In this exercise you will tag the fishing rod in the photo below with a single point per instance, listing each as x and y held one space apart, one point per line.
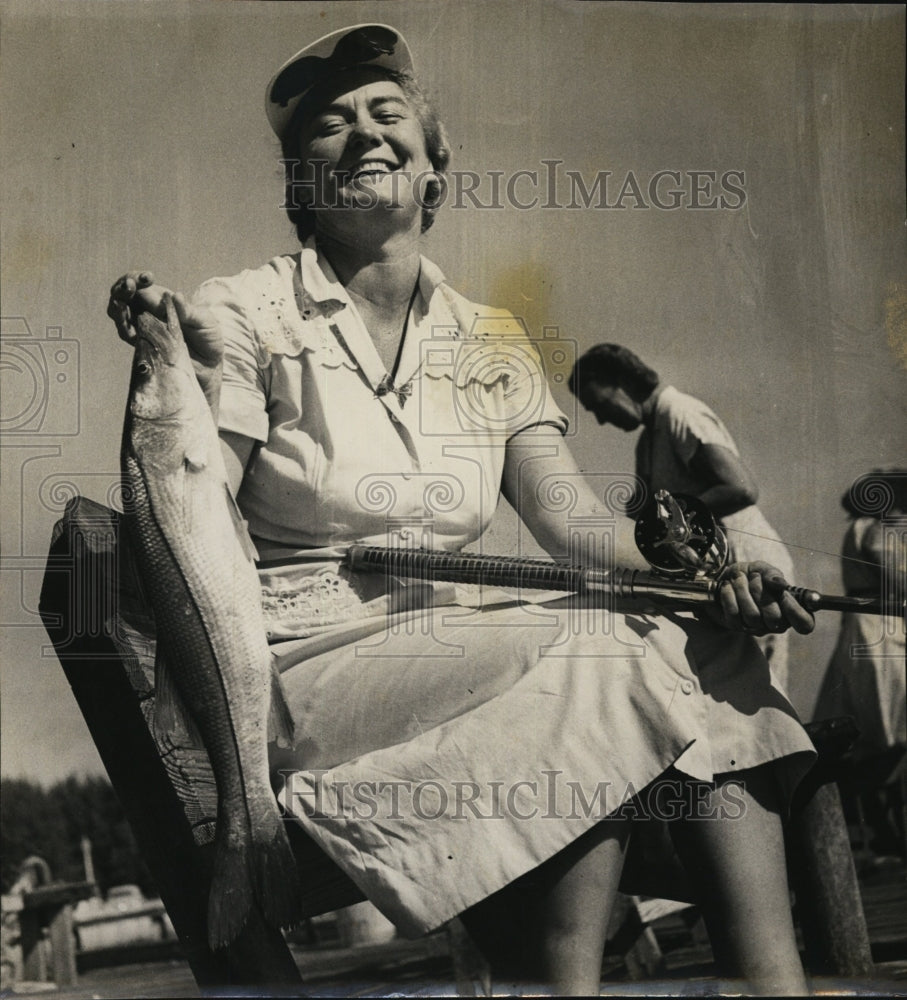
677 535
542 574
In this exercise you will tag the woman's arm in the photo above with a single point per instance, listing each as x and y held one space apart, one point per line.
136 291
729 485
539 464
236 449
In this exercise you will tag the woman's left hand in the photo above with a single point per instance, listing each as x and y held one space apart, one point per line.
754 597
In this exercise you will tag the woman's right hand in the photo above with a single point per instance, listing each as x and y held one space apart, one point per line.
136 292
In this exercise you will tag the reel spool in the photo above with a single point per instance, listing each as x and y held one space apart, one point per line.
679 537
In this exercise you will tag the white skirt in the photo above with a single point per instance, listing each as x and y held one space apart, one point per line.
446 752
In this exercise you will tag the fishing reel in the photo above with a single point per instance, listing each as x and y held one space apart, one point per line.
679 537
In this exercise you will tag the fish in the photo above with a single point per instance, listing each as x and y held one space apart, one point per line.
213 671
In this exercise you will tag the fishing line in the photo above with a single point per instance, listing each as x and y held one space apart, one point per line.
806 548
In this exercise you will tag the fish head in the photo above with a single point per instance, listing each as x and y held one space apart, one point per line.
163 383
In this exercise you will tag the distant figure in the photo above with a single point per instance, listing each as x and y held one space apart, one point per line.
684 448
867 674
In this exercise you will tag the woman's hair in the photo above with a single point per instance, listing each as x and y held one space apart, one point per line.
877 493
612 364
301 214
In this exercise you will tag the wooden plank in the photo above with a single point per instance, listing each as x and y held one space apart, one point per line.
821 865
63 945
83 573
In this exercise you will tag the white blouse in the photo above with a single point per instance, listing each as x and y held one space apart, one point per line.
340 458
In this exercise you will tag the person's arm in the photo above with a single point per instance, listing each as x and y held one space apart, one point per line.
729 485
236 449
539 464
136 291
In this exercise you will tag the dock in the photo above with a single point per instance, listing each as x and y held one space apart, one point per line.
423 968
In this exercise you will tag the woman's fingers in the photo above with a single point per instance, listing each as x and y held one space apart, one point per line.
126 286
796 615
201 331
119 312
756 597
132 293
781 601
737 601
766 599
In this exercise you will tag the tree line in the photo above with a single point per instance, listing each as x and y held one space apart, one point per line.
51 822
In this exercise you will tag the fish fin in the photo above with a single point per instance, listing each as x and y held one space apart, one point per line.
242 527
231 895
281 727
195 461
172 720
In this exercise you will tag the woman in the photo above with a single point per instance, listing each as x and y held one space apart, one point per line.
488 742
867 675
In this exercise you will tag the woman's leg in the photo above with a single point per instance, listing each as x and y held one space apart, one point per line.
582 881
738 858
550 925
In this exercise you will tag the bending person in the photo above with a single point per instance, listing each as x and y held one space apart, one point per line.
684 448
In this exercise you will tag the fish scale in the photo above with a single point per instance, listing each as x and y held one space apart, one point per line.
194 559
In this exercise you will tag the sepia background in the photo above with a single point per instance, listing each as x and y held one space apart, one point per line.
134 136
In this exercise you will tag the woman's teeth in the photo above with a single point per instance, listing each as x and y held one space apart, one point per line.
371 168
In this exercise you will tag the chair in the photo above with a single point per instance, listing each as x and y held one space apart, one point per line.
96 615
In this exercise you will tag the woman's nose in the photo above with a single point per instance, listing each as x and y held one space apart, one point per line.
365 133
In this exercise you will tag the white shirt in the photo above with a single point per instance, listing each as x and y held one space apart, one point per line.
337 462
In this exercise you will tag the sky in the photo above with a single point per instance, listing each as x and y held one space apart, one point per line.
749 245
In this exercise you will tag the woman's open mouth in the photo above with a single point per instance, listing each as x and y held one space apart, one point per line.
371 170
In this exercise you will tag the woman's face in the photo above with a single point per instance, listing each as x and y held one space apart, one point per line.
365 148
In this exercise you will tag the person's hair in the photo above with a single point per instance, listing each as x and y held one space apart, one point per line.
301 214
876 493
613 364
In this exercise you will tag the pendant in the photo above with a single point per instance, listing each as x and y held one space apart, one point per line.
402 393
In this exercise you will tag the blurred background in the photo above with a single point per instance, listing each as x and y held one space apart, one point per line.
134 136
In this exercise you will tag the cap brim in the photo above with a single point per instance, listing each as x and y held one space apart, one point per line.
376 45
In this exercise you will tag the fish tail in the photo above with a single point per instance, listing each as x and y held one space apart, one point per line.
277 885
263 873
232 893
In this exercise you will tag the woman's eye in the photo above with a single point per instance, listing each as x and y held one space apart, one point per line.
330 126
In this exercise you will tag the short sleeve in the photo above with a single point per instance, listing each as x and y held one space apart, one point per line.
527 394
693 424
496 350
243 397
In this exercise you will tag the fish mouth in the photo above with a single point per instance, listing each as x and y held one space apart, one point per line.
156 340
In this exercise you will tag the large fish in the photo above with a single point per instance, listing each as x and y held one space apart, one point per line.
196 563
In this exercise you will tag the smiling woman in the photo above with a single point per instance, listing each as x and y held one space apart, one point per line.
361 400
393 106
